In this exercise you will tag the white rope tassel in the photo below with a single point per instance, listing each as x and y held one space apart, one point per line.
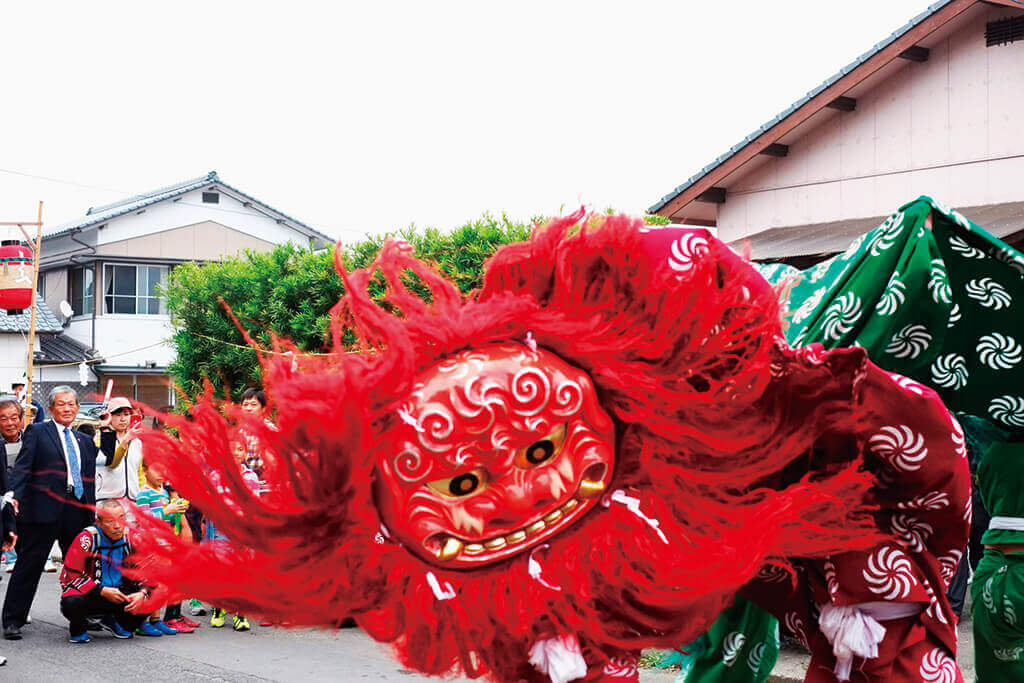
535 570
633 505
446 593
408 419
852 634
560 659
531 343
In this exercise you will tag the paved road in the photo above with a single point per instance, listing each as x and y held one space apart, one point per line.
45 655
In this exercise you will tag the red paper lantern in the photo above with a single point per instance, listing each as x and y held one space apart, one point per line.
15 277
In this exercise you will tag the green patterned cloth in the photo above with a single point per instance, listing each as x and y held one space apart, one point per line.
930 295
742 646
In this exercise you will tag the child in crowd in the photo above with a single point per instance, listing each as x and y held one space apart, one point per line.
239 450
154 499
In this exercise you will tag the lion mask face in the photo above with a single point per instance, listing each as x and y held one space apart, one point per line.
499 448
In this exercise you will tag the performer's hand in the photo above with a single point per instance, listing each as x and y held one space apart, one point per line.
11 540
135 601
113 595
14 504
174 508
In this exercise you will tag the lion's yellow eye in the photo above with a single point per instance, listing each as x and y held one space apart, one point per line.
461 485
540 452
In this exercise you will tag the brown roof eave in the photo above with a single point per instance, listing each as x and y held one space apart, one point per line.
822 100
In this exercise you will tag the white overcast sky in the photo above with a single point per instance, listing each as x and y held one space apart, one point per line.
364 117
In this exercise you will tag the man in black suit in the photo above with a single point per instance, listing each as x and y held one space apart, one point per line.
11 417
53 488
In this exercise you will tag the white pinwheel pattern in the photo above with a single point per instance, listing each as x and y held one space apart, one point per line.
686 250
910 342
1008 410
901 447
731 647
820 271
911 532
854 247
831 580
960 246
841 316
755 657
959 441
907 384
621 667
938 667
950 371
889 574
933 500
986 596
796 626
887 233
948 564
809 305
893 296
954 316
934 609
772 573
998 351
1012 260
988 293
938 283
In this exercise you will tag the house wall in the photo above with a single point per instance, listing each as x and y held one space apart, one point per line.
205 241
13 359
127 340
948 128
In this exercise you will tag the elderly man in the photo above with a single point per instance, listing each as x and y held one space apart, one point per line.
10 440
92 581
53 489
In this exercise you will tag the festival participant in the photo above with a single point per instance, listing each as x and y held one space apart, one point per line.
53 489
154 499
93 582
997 589
10 438
120 454
587 457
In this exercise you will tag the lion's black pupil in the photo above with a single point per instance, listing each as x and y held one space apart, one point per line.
539 452
463 484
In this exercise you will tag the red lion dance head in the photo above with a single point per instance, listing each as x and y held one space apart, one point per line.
605 442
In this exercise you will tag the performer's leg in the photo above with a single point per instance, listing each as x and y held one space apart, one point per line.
997 597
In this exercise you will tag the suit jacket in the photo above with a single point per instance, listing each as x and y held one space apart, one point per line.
7 525
40 476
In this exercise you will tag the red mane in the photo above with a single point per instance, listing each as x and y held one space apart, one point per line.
712 412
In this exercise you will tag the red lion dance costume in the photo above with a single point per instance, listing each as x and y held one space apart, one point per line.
587 457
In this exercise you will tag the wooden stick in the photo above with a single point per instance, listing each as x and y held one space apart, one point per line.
32 317
20 223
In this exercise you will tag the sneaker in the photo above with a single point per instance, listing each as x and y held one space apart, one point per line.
80 638
189 622
196 608
164 628
180 626
10 568
50 566
217 620
240 623
147 629
110 625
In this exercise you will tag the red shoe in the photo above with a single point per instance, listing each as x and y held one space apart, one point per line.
180 626
188 622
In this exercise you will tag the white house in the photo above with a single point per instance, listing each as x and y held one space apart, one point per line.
932 109
108 264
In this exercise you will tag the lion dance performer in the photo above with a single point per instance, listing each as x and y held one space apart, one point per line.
586 457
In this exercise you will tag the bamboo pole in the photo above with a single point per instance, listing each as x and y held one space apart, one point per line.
32 316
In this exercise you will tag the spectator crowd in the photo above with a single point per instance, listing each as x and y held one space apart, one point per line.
72 487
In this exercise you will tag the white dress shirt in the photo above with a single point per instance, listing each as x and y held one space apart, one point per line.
64 448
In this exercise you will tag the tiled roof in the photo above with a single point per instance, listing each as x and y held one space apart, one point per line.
100 214
61 348
878 47
46 321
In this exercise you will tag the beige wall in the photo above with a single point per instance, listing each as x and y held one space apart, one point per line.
949 127
56 288
206 241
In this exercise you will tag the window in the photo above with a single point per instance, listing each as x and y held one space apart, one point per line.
211 198
81 290
133 289
41 285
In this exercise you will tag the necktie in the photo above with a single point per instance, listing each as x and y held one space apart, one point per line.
73 464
